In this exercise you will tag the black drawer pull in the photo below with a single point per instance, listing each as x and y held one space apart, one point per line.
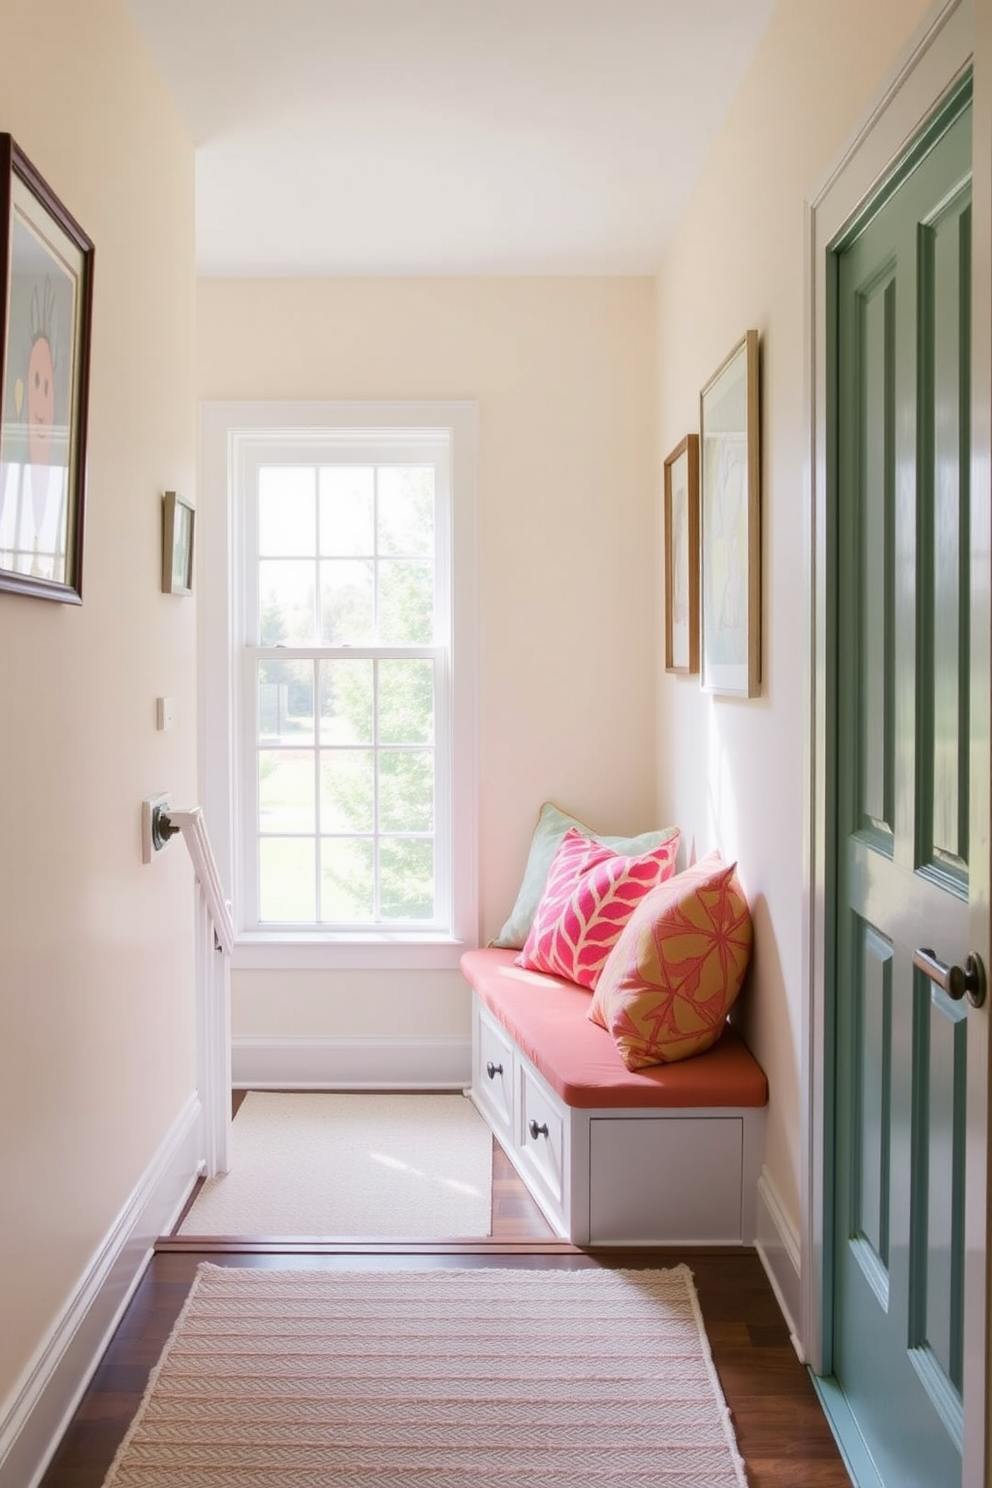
537 1131
492 1070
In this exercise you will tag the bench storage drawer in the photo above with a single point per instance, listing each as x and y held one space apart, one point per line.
493 1073
542 1142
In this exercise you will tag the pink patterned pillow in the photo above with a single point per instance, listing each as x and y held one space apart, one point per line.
590 893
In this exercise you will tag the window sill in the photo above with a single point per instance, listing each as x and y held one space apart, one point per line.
288 952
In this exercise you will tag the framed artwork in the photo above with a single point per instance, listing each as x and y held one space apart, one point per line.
730 525
46 303
682 557
178 521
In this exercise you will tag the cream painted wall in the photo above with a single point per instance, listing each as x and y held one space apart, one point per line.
96 995
563 371
733 770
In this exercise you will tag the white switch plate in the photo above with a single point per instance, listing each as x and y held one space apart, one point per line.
165 713
148 806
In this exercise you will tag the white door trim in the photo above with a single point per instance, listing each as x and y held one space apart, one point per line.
941 51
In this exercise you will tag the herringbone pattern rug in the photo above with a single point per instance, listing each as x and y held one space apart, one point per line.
490 1378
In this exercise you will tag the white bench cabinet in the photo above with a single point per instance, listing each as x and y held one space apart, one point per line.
630 1176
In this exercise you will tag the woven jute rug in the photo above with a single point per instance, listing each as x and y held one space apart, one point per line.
489 1378
417 1166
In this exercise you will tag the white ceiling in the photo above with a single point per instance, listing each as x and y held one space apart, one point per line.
446 136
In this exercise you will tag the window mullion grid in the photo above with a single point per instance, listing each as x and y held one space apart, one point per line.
319 654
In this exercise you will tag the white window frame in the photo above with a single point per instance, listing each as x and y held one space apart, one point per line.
230 433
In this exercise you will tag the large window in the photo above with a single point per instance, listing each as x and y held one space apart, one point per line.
352 673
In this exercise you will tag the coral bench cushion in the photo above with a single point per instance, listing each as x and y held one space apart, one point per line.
547 1019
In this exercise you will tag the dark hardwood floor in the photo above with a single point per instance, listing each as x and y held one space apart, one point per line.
780 1428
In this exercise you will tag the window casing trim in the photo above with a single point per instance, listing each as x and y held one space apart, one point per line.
232 433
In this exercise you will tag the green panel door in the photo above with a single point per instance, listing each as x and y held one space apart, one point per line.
904 612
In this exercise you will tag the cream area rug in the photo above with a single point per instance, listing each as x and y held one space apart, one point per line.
346 1165
493 1378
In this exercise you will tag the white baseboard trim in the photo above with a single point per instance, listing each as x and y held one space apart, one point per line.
777 1244
39 1408
351 1064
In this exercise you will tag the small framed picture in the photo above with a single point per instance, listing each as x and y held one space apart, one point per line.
730 525
46 303
178 522
682 557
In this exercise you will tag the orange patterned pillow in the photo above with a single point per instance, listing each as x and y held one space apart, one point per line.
675 972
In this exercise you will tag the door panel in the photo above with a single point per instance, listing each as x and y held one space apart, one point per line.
937 1259
871 1144
903 314
945 284
876 716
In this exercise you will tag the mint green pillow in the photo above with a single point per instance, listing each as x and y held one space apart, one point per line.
552 824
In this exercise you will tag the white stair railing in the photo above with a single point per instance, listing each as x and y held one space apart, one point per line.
214 945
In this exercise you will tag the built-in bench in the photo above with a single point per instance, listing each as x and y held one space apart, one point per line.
668 1155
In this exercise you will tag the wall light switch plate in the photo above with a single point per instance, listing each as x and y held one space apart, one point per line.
165 713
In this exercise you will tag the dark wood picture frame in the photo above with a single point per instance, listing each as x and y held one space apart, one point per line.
46 310
681 498
730 525
178 529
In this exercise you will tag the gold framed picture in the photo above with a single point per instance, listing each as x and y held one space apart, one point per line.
178 522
